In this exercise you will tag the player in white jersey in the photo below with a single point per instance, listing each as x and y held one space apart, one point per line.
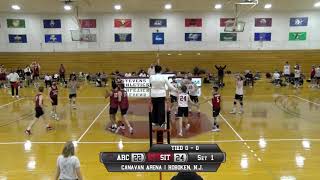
317 76
286 71
183 110
193 92
239 95
174 95
297 76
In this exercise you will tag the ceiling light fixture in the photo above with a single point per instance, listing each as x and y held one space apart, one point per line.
15 7
268 6
218 6
317 4
168 6
67 7
117 7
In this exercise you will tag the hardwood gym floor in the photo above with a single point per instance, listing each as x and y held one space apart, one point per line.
276 138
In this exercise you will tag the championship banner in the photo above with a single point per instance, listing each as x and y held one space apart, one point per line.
297 36
263 22
16 23
193 22
87 23
299 21
17 38
123 23
122 37
228 36
262 36
223 21
158 23
52 23
158 38
193 37
53 38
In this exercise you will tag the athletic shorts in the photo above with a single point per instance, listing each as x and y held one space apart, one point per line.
238 97
318 78
54 101
72 96
39 112
183 112
124 111
173 99
113 110
194 99
215 112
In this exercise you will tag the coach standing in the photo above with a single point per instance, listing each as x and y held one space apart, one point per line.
13 77
158 95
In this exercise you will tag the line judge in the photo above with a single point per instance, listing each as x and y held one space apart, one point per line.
158 95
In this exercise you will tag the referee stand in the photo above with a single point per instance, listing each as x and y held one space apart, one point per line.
159 131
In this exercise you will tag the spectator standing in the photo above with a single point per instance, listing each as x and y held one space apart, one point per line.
68 165
220 74
27 73
13 78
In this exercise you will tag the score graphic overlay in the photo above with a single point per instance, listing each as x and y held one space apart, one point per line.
166 158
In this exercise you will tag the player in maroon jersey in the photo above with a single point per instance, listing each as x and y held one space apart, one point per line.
216 105
124 106
53 94
39 112
114 103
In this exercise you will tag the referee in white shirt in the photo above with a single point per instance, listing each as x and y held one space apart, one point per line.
158 95
13 77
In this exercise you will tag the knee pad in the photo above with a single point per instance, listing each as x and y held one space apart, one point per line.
241 103
234 102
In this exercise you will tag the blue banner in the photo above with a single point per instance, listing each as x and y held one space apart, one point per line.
122 37
299 21
262 36
53 38
193 37
158 22
52 23
17 38
158 38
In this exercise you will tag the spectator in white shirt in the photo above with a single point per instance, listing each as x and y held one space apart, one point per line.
297 76
158 95
127 75
27 73
13 77
276 78
47 80
68 165
151 70
143 74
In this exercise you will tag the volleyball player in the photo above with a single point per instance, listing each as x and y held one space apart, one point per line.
113 107
297 76
124 106
73 85
286 72
216 105
238 96
193 92
183 110
174 95
53 94
39 112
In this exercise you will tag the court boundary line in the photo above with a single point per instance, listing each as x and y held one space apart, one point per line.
17 100
225 120
97 117
303 99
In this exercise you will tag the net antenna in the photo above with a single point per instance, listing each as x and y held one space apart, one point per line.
241 7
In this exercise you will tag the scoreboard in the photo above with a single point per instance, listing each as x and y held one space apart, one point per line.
166 158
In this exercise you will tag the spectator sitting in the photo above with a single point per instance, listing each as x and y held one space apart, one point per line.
127 74
249 78
143 74
257 76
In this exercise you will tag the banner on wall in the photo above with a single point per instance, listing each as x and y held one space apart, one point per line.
265 36
87 23
193 37
299 21
158 23
228 36
223 21
263 22
193 22
17 38
52 23
16 23
158 38
122 23
297 36
53 38
122 37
